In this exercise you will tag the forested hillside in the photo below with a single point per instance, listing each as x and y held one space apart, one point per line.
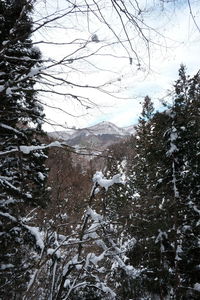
136 234
163 186
122 223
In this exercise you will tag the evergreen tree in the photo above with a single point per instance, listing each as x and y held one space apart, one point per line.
184 149
146 169
116 197
167 180
117 208
22 174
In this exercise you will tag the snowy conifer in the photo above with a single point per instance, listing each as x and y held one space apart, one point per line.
22 175
167 179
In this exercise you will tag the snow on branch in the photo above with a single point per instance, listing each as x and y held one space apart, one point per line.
4 182
106 183
172 139
28 149
7 215
11 129
115 252
35 232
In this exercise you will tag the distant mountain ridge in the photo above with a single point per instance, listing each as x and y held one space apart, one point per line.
101 135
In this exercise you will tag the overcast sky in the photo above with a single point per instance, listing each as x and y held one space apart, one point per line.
178 41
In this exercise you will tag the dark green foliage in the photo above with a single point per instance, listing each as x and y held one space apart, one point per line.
118 199
159 206
167 179
187 106
22 176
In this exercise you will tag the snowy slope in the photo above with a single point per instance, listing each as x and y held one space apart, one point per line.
130 129
101 134
62 135
107 128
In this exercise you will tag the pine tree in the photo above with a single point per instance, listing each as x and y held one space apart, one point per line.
116 198
146 170
167 179
184 149
22 175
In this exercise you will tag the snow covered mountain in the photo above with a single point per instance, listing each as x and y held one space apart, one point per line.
106 128
130 129
99 135
60 135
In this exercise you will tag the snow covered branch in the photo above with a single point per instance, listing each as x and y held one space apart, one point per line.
28 149
106 183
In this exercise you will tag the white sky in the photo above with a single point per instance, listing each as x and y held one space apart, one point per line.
178 43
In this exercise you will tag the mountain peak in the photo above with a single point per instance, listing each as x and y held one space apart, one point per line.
103 133
106 127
